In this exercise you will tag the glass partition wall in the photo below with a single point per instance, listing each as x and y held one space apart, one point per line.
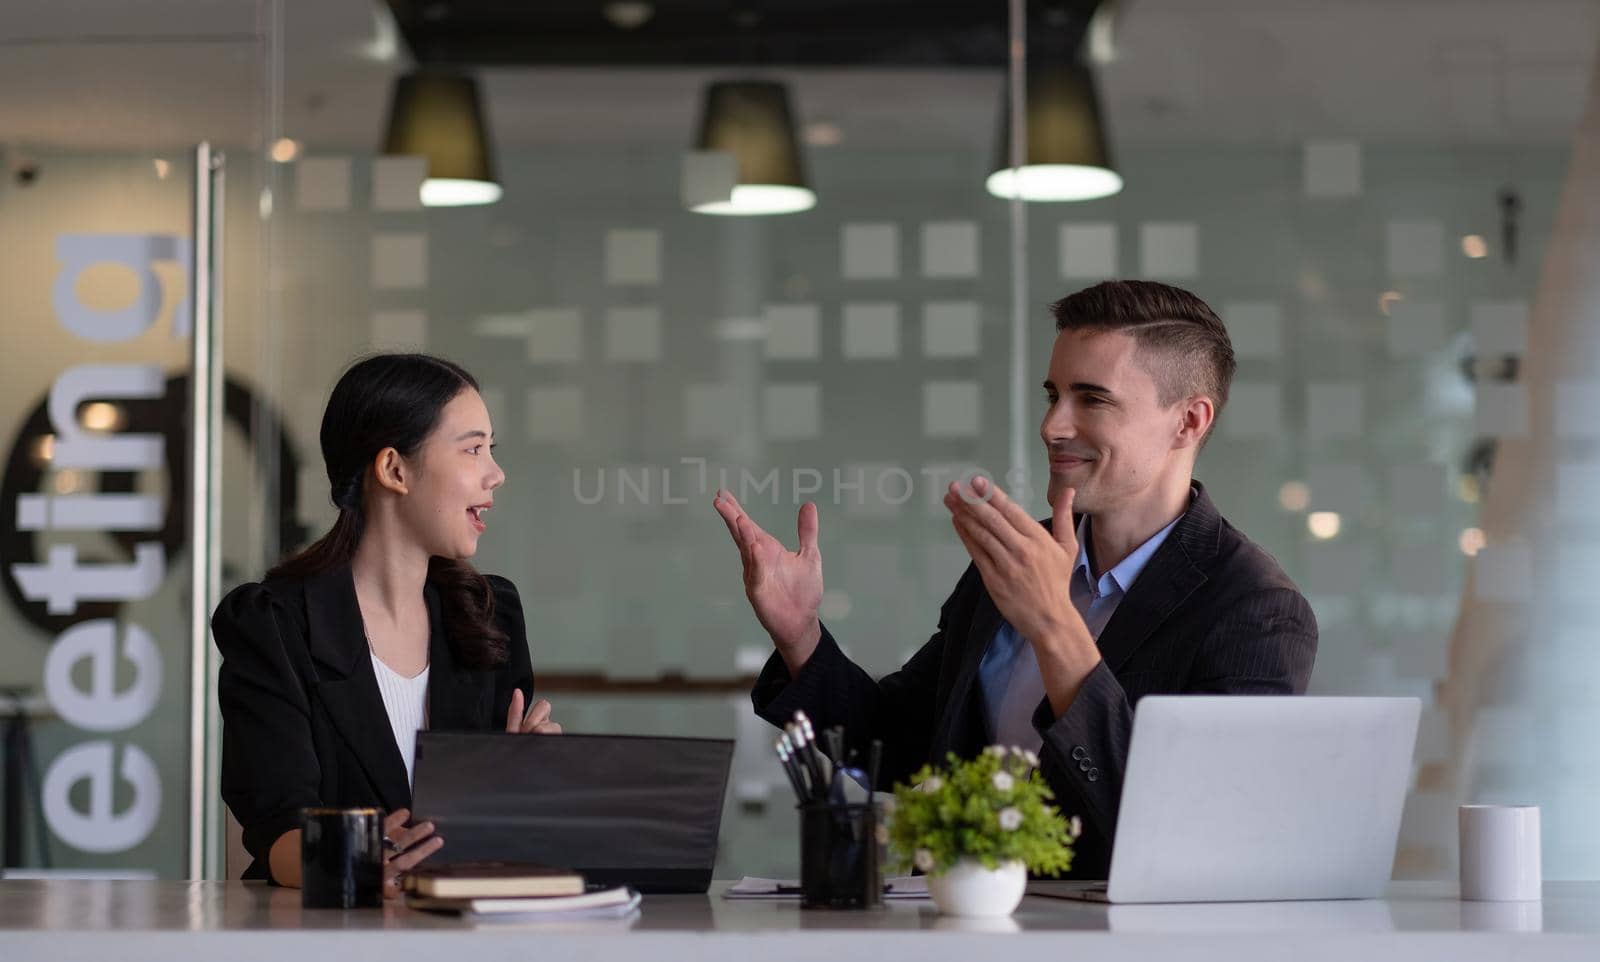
114 218
1377 239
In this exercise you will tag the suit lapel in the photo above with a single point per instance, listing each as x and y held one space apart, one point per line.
1171 576
963 721
458 697
348 689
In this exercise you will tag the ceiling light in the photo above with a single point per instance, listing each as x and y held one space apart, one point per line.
1067 156
101 416
823 134
285 149
750 121
438 115
1323 524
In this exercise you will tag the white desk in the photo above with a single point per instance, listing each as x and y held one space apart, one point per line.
173 921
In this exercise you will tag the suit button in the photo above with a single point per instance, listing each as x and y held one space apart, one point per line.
1079 753
1094 774
1083 765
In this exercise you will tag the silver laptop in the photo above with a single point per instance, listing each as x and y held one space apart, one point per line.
1258 798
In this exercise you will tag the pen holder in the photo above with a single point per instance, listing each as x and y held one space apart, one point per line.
839 856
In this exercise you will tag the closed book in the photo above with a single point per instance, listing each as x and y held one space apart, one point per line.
466 880
620 898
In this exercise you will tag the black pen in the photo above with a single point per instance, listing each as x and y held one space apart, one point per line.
804 758
797 762
789 768
808 738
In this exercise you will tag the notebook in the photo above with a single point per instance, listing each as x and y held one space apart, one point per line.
604 903
465 880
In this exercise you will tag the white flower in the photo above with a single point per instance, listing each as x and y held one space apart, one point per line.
1031 759
923 859
1010 819
1003 782
1076 825
1016 750
882 835
933 784
998 751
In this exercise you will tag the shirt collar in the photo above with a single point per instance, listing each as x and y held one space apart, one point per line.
1121 577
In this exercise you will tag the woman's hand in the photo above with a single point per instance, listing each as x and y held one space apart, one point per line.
537 720
404 847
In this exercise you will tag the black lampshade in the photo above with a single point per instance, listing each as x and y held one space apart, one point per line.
1067 157
750 119
438 115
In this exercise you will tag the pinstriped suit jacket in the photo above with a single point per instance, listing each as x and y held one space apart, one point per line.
1212 613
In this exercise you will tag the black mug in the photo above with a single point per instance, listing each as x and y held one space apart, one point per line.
839 856
341 858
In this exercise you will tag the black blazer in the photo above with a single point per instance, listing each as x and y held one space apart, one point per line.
303 723
1211 613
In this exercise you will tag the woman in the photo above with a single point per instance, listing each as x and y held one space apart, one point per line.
331 664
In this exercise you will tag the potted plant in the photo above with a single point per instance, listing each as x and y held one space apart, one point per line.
977 828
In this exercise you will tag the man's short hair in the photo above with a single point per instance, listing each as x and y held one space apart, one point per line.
1186 348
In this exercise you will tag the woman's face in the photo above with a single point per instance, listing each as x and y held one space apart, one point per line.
453 478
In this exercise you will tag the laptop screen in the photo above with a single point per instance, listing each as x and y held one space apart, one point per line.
621 809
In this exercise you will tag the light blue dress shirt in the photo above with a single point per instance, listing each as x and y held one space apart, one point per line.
1009 672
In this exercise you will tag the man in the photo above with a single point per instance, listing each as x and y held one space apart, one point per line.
1135 586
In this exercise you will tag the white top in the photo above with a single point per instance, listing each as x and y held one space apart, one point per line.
406 702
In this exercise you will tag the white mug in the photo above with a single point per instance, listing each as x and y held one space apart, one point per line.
1500 853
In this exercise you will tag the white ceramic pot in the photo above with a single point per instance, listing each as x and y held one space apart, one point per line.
968 890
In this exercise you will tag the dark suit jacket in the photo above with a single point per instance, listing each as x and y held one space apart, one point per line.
1211 613
303 723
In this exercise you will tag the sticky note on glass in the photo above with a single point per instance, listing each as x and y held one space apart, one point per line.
1169 250
791 412
633 334
1255 328
322 183
554 413
1502 410
950 329
1254 411
1415 328
871 331
708 177
950 249
1088 251
1332 168
870 251
1499 327
1576 402
397 183
951 409
1416 489
633 256
791 332
710 413
1334 410
1415 247
394 330
555 335
399 261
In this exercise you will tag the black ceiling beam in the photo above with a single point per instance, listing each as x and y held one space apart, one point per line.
694 33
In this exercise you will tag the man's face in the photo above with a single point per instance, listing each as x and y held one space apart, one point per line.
1105 430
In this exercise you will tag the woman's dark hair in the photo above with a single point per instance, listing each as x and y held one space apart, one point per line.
395 401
